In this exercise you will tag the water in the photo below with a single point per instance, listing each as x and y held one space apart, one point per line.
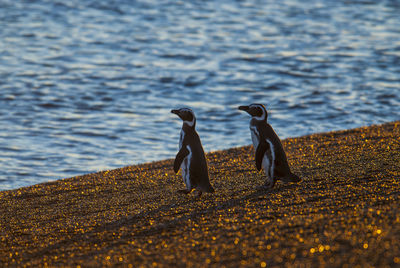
88 85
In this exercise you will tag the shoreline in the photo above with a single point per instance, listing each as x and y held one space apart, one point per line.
345 211
58 178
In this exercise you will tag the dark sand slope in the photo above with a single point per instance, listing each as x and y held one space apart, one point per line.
346 211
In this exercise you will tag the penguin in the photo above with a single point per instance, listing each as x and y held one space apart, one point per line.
190 158
268 147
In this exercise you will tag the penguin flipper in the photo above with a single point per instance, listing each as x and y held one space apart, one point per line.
262 147
183 152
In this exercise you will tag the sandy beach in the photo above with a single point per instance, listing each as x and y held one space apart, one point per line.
345 212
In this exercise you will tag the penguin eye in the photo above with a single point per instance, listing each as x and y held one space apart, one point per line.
259 111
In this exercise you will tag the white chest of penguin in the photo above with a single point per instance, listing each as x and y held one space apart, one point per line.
185 166
267 163
254 136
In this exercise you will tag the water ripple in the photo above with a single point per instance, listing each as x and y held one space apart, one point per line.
88 85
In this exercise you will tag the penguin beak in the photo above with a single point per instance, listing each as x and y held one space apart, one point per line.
244 108
175 112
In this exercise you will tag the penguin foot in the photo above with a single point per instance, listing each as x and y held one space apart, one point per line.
199 193
265 187
290 178
184 191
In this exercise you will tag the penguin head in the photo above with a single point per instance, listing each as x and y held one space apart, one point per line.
256 111
187 116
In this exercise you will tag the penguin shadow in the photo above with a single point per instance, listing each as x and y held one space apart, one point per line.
262 193
178 213
126 221
190 193
197 214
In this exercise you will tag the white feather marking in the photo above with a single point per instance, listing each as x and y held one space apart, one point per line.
271 165
266 165
254 136
262 117
190 123
185 166
181 139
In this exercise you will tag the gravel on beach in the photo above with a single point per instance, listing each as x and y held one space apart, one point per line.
345 212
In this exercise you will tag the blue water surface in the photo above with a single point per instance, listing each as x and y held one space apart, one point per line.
88 85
